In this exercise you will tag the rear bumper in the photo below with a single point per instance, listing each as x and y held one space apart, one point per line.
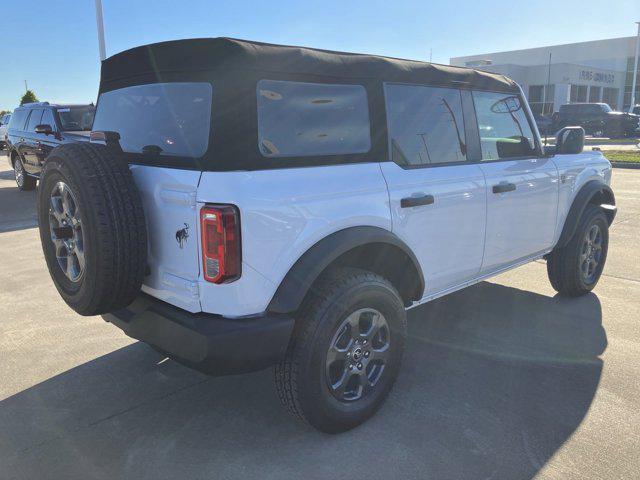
210 343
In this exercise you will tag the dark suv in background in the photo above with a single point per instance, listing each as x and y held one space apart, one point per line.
36 128
597 119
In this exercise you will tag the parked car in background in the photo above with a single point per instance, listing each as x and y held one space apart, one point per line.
4 121
544 124
291 221
597 119
37 128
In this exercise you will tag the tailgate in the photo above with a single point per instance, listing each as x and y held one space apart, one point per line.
169 200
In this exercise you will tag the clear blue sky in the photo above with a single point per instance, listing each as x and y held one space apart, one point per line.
53 45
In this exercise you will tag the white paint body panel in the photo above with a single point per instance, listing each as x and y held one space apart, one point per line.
447 236
522 222
468 234
283 213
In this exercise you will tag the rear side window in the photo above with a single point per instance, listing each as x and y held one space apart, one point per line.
18 119
34 120
312 119
504 129
426 125
159 119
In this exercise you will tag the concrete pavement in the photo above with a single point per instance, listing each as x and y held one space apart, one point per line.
503 380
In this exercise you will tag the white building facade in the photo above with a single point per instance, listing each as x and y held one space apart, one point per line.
597 71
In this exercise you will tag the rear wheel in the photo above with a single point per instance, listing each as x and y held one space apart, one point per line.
576 268
24 181
345 352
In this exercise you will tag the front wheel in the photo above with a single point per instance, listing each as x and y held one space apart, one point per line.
345 351
576 268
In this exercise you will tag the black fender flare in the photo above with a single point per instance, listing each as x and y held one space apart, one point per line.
584 197
297 282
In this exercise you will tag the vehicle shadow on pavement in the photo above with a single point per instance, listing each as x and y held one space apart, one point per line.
494 381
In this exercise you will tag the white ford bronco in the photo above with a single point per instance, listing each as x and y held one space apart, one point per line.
243 205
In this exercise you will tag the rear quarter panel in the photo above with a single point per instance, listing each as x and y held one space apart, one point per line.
282 214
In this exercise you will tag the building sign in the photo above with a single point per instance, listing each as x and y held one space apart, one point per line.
598 77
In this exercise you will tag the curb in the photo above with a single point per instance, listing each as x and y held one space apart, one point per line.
626 165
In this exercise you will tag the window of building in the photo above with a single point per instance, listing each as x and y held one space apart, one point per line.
628 84
541 99
426 125
312 119
505 131
610 97
594 94
578 93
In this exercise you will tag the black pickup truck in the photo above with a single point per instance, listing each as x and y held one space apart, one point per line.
36 128
596 119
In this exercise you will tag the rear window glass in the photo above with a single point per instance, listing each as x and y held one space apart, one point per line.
168 118
504 129
76 118
312 119
18 119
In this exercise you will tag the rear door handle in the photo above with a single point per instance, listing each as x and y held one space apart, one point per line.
504 187
416 201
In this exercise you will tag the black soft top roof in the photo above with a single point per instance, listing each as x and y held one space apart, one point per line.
230 56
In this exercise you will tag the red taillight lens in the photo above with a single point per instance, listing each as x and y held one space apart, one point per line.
221 250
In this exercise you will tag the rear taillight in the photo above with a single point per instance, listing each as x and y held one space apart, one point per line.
221 250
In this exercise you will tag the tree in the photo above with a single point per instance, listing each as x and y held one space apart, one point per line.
28 97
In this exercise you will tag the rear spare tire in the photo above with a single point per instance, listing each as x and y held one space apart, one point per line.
92 228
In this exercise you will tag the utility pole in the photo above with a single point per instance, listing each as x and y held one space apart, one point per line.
635 71
100 24
26 88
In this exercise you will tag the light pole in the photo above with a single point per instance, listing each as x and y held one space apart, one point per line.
635 71
100 23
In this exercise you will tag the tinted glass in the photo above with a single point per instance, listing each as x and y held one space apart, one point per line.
503 125
425 125
76 118
5 120
47 119
174 117
305 119
34 119
18 119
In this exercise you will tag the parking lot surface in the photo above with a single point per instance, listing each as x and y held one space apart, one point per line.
503 380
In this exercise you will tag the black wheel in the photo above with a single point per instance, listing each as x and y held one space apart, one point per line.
345 351
24 181
92 228
576 268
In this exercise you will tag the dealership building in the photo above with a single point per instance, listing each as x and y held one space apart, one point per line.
598 71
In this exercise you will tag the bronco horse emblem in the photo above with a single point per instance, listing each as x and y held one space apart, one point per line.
182 235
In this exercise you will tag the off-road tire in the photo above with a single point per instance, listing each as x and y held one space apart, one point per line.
563 264
300 376
112 222
28 182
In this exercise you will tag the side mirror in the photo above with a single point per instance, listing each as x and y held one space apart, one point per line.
570 140
44 129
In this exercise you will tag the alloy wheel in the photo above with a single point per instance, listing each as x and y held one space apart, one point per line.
591 253
18 171
357 355
66 231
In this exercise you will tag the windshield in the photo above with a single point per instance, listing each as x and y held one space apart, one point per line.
158 119
606 108
76 118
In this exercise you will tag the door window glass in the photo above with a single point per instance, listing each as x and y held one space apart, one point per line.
503 125
312 119
34 119
47 119
426 125
18 119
